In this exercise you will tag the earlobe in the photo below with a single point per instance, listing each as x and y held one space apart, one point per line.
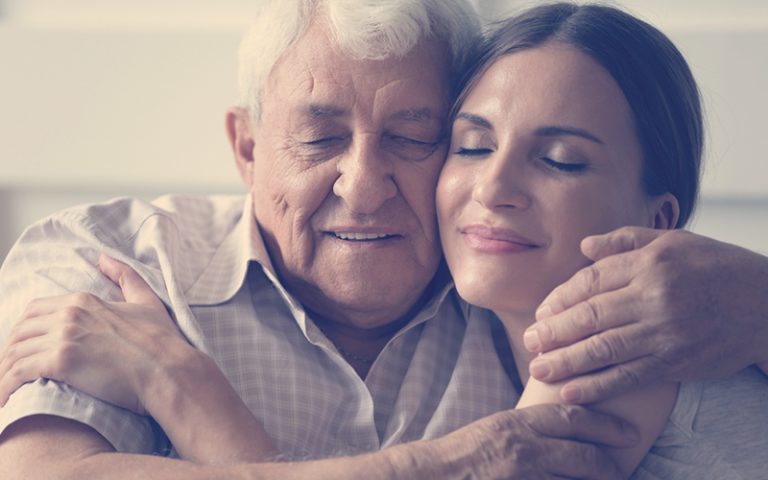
240 135
666 212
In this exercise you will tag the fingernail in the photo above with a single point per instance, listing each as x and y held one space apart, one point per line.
540 369
531 340
571 393
544 311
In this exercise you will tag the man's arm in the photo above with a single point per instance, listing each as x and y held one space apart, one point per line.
541 442
50 448
655 306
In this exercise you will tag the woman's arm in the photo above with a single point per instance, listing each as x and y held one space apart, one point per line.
647 408
132 355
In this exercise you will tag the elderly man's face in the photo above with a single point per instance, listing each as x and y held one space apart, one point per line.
345 161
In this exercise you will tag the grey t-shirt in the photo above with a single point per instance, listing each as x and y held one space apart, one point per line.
718 430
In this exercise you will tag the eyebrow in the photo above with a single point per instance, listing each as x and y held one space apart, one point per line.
414 114
548 131
557 130
325 111
474 119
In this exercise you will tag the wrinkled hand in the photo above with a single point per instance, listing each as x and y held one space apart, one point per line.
655 306
107 349
543 441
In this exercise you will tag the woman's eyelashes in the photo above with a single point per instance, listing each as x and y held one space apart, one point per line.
473 152
546 160
566 167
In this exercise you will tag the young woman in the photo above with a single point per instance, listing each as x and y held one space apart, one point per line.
575 121
572 121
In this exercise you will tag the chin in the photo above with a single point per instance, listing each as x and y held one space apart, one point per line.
500 295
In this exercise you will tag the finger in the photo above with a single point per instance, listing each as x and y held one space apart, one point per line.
608 274
567 458
11 381
25 363
135 289
47 305
574 422
20 350
611 381
577 460
598 351
26 329
591 316
618 241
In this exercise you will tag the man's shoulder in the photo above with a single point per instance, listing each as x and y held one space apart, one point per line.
185 229
170 239
123 219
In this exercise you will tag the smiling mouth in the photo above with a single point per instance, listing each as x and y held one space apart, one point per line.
362 237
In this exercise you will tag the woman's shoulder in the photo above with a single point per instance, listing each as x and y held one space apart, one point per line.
717 429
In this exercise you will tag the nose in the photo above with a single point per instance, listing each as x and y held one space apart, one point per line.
366 177
501 183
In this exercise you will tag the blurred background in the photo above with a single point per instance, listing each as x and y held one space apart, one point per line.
103 98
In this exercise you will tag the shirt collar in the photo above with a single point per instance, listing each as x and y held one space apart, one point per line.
226 271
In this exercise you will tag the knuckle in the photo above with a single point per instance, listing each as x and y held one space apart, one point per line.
72 314
598 387
84 299
589 317
627 377
600 350
17 371
564 364
590 277
571 414
30 309
11 352
70 329
593 458
661 297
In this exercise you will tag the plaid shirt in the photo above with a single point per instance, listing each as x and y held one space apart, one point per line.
205 259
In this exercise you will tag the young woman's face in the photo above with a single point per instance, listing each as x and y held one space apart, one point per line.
543 153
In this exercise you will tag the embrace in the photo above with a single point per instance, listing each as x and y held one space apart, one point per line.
460 256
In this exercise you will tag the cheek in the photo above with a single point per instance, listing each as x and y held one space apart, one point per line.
591 211
452 191
417 184
287 196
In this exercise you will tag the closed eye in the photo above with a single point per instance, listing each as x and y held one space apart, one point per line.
324 141
473 152
410 148
564 167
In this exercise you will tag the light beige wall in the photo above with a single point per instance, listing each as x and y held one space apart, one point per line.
100 98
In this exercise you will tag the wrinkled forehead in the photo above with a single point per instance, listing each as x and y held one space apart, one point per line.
316 71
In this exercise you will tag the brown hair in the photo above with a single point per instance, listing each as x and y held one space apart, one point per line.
651 72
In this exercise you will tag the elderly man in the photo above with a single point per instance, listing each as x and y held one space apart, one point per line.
317 306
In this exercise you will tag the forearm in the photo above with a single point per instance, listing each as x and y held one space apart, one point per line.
42 447
647 408
115 466
203 416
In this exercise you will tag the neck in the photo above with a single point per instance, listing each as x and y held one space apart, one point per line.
515 324
359 346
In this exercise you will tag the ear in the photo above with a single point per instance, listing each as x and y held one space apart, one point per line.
666 211
240 134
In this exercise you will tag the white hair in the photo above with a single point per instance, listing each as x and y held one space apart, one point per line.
364 29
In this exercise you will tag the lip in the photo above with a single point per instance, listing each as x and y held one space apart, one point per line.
496 240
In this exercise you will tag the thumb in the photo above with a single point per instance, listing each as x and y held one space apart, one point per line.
624 239
135 289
